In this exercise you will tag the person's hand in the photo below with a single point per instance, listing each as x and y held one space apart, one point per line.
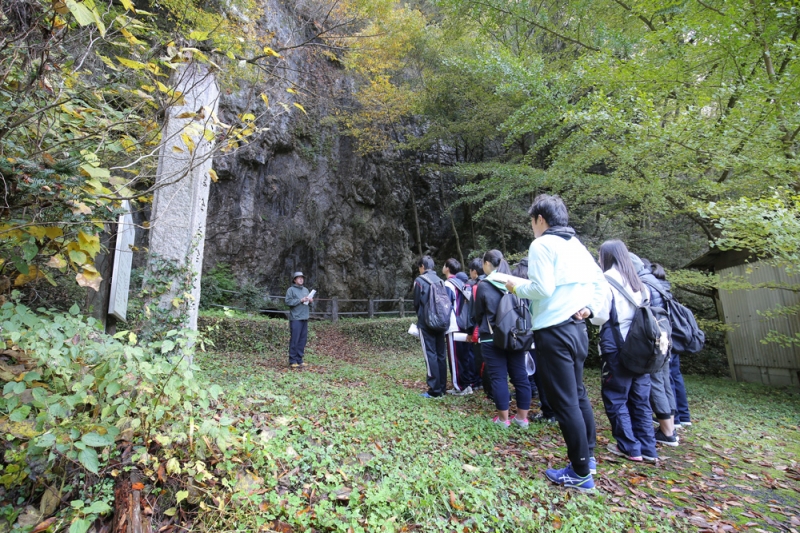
510 286
309 300
304 299
582 314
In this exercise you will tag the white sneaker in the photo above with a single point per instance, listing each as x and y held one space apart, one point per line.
463 392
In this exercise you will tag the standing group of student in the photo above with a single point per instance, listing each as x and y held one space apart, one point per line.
565 288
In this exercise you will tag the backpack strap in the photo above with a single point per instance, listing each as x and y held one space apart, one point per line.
623 291
428 281
659 290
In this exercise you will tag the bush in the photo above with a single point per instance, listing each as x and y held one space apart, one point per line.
74 397
384 332
220 288
250 335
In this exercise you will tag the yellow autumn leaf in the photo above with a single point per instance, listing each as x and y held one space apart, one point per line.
290 90
80 208
265 98
208 134
37 231
128 35
89 243
270 52
54 232
298 106
110 64
32 275
130 63
213 174
57 261
248 117
89 277
128 5
188 141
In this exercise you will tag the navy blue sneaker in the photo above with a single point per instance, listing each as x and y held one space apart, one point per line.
426 395
569 479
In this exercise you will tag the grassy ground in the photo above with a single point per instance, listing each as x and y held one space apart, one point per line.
347 444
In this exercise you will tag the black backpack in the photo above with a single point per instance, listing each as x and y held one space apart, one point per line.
687 337
464 317
512 329
646 348
438 307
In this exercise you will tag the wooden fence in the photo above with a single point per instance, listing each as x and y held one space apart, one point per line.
329 308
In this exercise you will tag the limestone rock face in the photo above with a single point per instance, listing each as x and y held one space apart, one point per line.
299 196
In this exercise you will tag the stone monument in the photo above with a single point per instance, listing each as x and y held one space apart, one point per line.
123 258
178 218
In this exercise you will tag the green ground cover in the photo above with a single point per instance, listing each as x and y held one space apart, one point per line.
348 445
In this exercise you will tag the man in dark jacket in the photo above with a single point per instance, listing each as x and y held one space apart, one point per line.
297 299
433 345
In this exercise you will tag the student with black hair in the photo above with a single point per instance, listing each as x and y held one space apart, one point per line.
481 375
682 416
566 287
662 398
458 355
626 395
500 363
545 414
433 343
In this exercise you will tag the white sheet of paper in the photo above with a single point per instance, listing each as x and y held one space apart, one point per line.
310 295
503 278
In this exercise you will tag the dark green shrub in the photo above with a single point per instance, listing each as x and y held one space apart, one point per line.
252 334
384 332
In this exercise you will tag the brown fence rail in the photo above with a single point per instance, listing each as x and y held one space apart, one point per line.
331 308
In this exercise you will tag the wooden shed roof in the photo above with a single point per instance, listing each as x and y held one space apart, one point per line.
716 259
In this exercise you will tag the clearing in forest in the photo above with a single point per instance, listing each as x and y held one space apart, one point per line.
347 444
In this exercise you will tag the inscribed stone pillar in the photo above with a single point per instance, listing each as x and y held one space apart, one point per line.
180 204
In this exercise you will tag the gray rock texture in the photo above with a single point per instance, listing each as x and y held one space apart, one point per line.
300 197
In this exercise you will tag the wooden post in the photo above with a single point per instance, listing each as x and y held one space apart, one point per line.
402 308
335 310
370 309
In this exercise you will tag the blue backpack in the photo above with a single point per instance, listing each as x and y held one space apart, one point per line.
438 307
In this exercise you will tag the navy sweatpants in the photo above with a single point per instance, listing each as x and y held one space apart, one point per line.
626 397
561 351
297 343
679 390
502 365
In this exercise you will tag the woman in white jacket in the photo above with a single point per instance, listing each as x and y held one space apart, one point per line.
626 395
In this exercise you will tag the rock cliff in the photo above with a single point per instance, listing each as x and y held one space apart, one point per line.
299 196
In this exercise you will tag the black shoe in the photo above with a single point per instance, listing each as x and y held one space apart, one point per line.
540 418
671 440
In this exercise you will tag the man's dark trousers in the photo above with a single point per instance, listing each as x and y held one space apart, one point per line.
297 343
433 346
561 352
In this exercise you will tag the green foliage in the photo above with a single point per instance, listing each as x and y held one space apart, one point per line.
219 288
83 89
245 334
71 395
352 445
390 333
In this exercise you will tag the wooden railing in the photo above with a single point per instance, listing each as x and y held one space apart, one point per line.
329 308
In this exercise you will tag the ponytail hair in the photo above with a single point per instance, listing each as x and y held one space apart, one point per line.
495 257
